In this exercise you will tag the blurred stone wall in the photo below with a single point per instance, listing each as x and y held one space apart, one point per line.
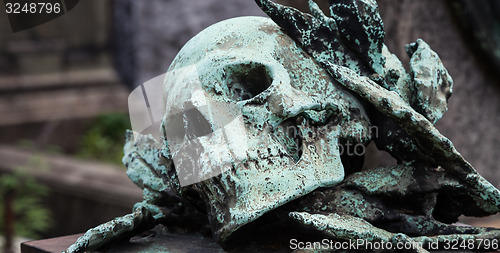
148 34
76 40
159 28
153 31
56 77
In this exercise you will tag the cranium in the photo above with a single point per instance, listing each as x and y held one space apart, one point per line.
266 119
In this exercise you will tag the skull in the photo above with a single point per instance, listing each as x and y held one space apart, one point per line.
252 122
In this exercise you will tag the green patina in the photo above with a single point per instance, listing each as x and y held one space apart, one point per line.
278 103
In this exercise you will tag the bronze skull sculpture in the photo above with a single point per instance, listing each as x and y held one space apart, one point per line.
257 118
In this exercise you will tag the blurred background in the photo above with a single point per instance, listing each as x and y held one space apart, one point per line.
64 88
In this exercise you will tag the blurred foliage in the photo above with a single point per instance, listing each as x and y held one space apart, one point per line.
33 146
31 216
105 139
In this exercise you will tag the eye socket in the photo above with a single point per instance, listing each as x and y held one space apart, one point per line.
246 80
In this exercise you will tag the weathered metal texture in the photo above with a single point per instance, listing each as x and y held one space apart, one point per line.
227 155
352 37
385 203
262 74
430 87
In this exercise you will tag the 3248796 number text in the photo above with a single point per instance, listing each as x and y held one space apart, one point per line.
33 8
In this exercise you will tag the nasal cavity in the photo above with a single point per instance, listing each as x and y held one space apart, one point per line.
196 125
246 80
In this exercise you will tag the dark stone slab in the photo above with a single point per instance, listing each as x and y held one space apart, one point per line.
57 244
161 244
168 244
165 243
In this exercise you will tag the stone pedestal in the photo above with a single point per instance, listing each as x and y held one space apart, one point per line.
163 244
166 243
48 245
